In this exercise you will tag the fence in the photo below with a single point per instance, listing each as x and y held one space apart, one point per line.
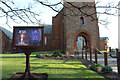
96 51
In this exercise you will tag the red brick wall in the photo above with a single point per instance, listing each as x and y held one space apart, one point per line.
74 27
6 43
58 32
102 45
48 45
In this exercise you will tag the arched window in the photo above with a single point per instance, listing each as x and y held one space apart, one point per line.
82 20
45 41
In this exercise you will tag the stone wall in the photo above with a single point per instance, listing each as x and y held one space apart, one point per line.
58 31
48 45
73 27
102 45
5 43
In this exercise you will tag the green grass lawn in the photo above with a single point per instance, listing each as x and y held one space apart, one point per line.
105 51
12 63
43 52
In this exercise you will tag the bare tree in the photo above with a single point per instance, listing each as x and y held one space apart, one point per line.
107 9
10 11
28 15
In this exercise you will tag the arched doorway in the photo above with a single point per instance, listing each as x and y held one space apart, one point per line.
81 43
82 40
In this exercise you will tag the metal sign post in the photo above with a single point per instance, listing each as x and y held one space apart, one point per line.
27 40
27 70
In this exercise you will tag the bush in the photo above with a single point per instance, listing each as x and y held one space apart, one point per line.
38 55
5 52
46 55
58 51
57 54
107 69
60 55
96 67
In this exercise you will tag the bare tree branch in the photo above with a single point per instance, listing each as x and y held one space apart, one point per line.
49 5
107 9
17 15
26 15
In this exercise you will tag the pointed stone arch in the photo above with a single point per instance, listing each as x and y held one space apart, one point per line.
84 34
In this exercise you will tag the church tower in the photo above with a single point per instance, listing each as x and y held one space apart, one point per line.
80 26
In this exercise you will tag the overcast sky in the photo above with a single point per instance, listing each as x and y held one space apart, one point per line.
46 18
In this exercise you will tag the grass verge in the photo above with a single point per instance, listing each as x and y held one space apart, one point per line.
12 63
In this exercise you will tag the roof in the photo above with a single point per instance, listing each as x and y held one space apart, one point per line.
59 13
8 33
103 38
47 29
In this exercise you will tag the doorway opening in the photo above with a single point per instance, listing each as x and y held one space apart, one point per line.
81 42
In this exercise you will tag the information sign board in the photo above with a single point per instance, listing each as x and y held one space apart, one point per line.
28 36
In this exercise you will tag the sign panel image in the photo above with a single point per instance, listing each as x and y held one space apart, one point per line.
22 37
35 37
28 36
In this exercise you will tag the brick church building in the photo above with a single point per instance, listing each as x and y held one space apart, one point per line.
68 30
